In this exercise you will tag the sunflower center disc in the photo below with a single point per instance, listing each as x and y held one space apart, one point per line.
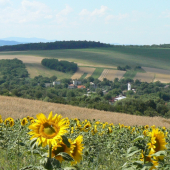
48 129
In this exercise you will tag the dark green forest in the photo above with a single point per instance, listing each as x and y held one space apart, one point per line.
150 99
63 66
71 45
54 45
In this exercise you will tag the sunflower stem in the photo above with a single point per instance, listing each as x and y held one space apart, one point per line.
50 151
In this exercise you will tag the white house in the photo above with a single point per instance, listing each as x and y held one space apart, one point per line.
119 98
76 82
56 83
129 86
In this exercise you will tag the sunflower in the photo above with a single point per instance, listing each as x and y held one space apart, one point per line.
158 141
146 126
1 120
24 121
109 130
78 148
149 159
87 127
48 131
61 147
94 130
9 121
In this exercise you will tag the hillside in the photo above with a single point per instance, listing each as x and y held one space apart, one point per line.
19 108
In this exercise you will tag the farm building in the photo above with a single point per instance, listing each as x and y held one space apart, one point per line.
56 83
81 87
71 86
76 82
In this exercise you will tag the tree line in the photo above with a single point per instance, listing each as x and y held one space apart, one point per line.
54 45
63 66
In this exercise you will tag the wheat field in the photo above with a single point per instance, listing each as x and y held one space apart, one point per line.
145 77
19 108
111 74
81 71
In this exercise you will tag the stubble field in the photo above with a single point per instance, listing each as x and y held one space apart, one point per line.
19 108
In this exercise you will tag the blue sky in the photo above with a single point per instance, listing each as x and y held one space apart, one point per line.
108 21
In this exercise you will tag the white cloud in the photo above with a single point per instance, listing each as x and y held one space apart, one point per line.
84 12
100 11
61 16
96 12
165 14
117 17
66 11
4 3
28 11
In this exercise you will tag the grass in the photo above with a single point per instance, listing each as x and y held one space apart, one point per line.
35 69
132 73
83 76
98 71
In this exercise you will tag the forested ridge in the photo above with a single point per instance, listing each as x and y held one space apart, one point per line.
54 45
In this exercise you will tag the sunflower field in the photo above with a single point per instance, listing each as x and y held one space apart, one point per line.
71 144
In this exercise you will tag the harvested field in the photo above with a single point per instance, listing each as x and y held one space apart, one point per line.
81 71
111 74
145 77
19 108
163 78
156 70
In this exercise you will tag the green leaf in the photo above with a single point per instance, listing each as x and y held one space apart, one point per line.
147 166
66 156
65 140
27 167
132 150
55 163
159 153
33 143
138 138
70 168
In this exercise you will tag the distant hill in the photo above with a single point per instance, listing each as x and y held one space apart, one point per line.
27 40
5 42
54 45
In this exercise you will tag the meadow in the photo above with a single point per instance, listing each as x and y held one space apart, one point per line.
151 59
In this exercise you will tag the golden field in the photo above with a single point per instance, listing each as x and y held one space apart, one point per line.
19 108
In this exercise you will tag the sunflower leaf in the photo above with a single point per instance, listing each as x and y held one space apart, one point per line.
33 143
132 150
138 138
160 153
66 156
65 140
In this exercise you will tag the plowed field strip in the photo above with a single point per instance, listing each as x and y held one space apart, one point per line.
81 71
145 77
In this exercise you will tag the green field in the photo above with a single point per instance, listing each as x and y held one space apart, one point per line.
111 56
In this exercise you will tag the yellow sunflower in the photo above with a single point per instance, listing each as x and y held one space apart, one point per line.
87 127
109 130
9 121
149 159
94 130
78 148
158 141
24 121
61 147
48 131
1 121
